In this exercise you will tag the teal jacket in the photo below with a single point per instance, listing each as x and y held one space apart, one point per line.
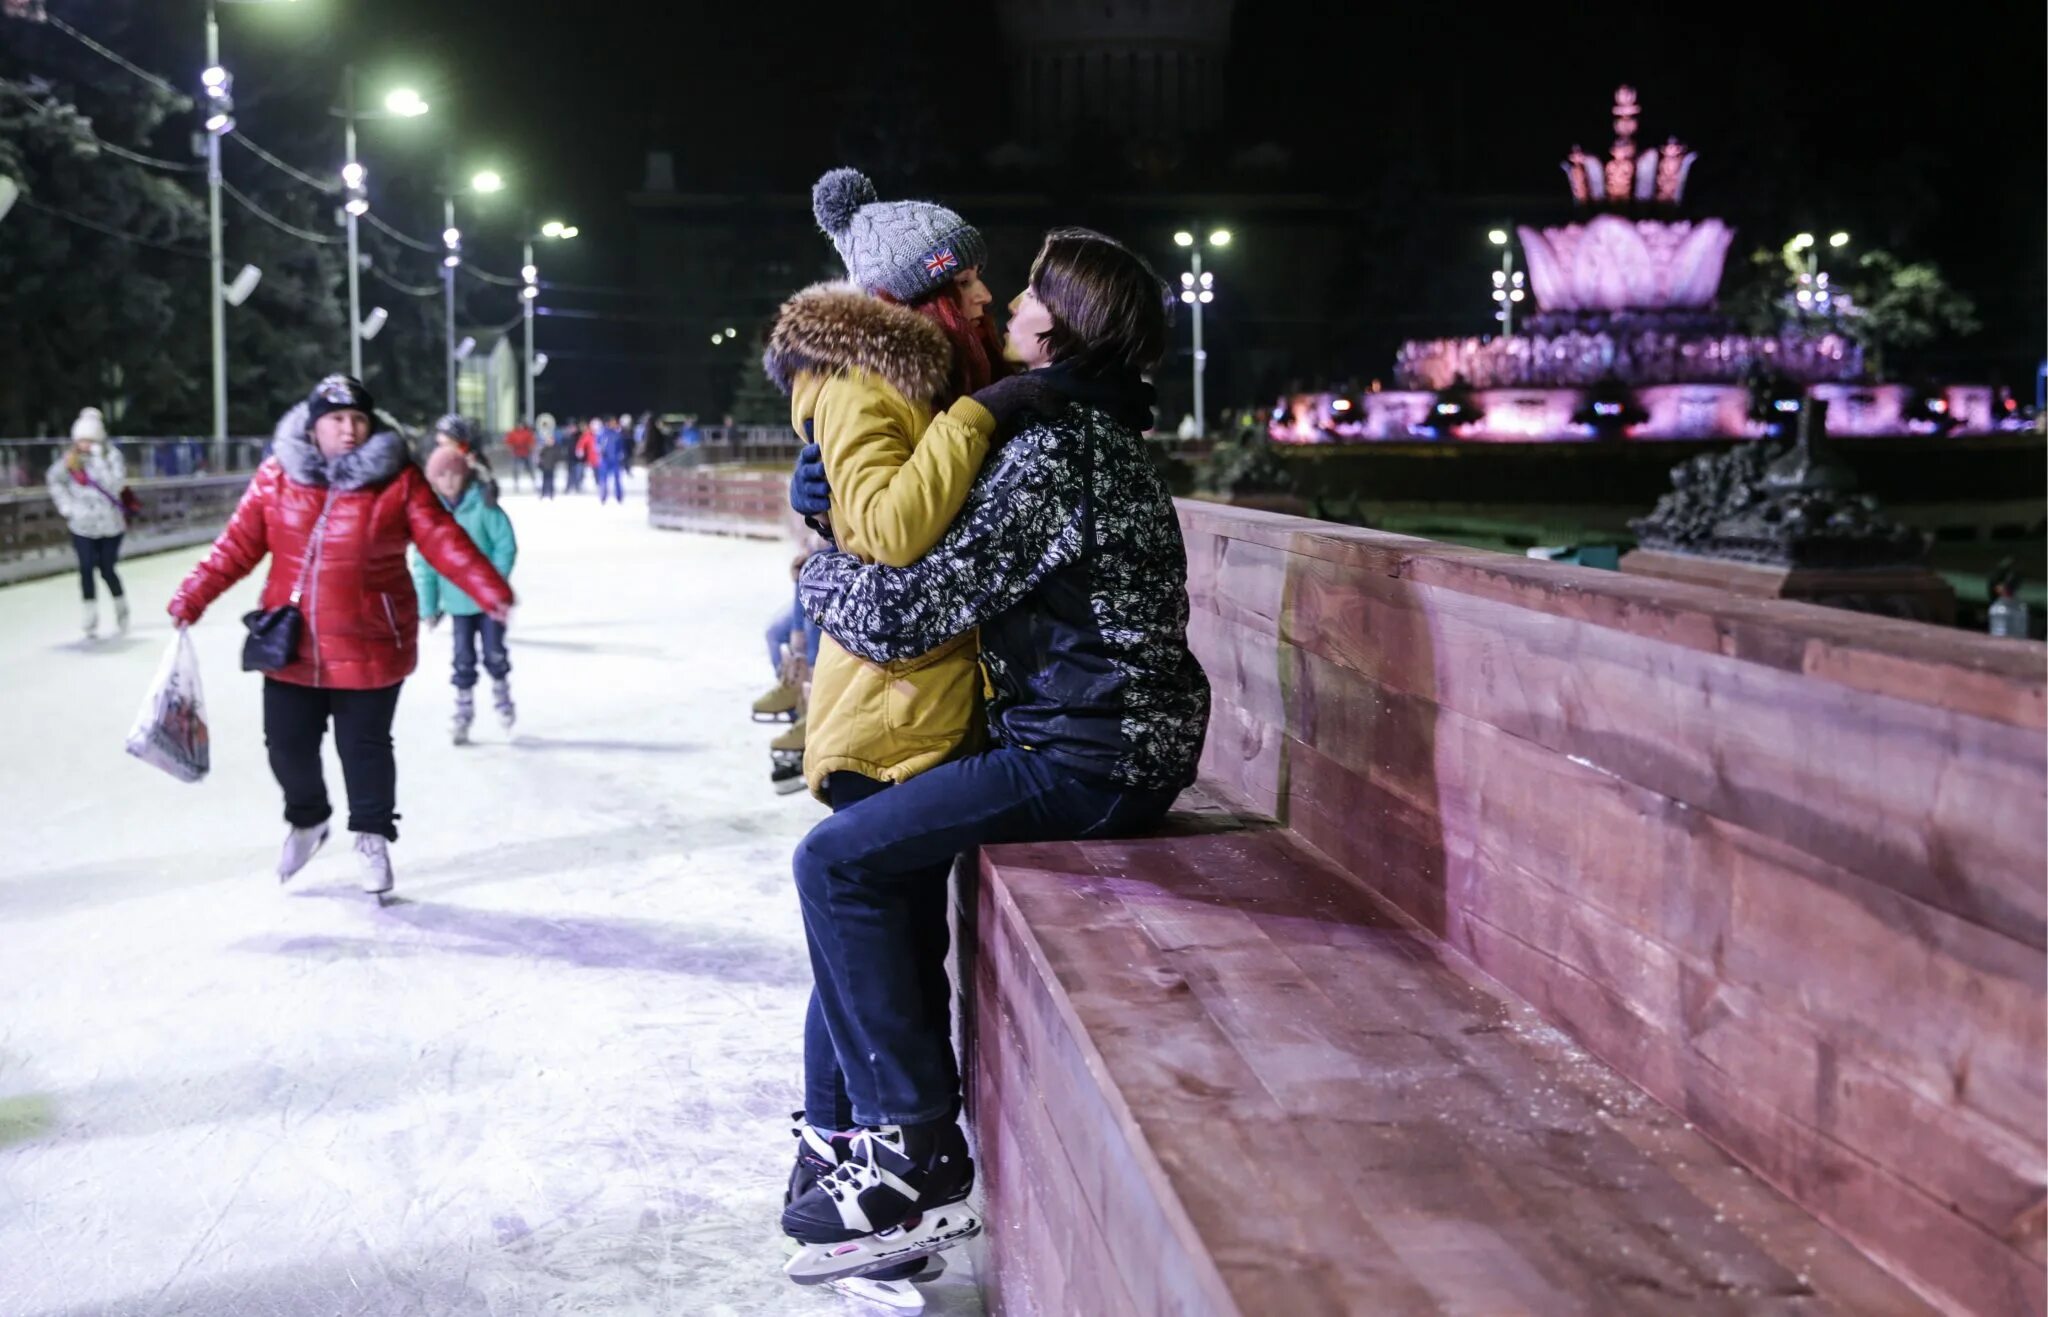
491 531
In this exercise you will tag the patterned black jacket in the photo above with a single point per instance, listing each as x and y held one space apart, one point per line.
1068 556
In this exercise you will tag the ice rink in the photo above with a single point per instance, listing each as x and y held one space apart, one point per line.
555 1078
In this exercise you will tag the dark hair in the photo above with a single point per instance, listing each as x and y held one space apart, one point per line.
1109 310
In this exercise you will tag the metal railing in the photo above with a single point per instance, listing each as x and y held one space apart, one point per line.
25 463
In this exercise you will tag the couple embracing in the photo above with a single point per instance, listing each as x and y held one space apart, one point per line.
1006 659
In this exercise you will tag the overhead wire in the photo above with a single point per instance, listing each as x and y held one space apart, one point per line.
304 235
329 186
115 57
410 290
415 243
84 127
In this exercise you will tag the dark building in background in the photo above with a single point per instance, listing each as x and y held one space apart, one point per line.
1119 117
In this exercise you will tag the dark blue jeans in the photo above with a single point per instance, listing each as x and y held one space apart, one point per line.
779 632
468 630
100 555
611 476
872 879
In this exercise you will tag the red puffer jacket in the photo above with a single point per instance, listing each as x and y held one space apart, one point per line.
362 618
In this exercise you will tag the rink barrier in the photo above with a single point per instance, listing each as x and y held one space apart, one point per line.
720 498
176 513
1777 866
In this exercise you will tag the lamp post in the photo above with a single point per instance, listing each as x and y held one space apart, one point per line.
220 121
1508 284
1198 290
554 231
403 103
483 183
1813 293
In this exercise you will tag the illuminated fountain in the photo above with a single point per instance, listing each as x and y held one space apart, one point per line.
1627 339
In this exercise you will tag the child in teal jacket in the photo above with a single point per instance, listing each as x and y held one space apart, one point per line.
449 472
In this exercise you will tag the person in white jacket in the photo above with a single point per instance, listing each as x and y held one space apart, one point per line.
86 484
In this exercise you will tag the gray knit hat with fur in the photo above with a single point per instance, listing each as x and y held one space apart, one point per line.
907 249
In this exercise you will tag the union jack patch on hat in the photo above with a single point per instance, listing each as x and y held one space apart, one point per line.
941 261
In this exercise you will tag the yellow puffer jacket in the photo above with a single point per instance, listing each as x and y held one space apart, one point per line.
862 373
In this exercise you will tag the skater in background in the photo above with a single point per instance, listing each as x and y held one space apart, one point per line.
334 508
793 641
614 455
86 484
490 529
519 442
453 431
1096 728
585 454
548 454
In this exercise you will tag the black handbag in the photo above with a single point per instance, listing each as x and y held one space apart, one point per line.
274 633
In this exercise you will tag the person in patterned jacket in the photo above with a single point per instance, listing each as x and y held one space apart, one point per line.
1068 556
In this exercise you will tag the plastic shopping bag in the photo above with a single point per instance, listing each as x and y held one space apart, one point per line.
170 728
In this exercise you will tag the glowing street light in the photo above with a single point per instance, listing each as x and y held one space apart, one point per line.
487 181
1509 286
1802 241
405 103
1838 240
1199 290
557 231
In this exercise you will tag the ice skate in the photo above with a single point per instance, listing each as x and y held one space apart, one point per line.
92 623
778 705
465 714
373 865
121 615
786 760
501 700
896 1198
300 845
818 1154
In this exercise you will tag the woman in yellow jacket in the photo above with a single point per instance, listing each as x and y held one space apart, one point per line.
894 376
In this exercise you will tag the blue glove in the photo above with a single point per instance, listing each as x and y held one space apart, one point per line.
809 494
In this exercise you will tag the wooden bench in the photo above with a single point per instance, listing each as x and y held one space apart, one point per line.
1570 943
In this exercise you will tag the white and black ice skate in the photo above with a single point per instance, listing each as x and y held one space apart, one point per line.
501 700
300 845
373 865
465 714
818 1154
897 1197
92 620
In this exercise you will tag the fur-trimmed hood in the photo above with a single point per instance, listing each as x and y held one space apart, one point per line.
833 327
383 455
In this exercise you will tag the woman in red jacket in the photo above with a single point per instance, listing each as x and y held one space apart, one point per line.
352 501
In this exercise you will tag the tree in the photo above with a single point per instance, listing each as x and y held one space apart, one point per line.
1903 307
95 254
756 401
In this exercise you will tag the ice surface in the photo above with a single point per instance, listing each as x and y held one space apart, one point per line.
554 1080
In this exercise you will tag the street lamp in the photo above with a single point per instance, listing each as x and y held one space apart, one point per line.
555 231
402 103
1198 290
485 182
1812 292
218 86
1509 287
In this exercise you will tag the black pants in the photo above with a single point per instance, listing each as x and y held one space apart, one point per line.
295 722
496 661
547 480
97 555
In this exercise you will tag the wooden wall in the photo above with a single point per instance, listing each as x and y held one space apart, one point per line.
1781 866
720 499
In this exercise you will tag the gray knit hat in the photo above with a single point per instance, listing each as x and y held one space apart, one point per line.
907 249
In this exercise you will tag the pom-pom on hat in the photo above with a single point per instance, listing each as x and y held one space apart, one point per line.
907 249
89 425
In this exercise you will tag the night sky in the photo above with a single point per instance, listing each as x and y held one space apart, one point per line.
1917 128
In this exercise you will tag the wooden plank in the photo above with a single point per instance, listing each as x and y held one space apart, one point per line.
1981 676
1950 808
1948 1004
1947 1257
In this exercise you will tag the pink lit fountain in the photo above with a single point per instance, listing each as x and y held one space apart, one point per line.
1626 300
